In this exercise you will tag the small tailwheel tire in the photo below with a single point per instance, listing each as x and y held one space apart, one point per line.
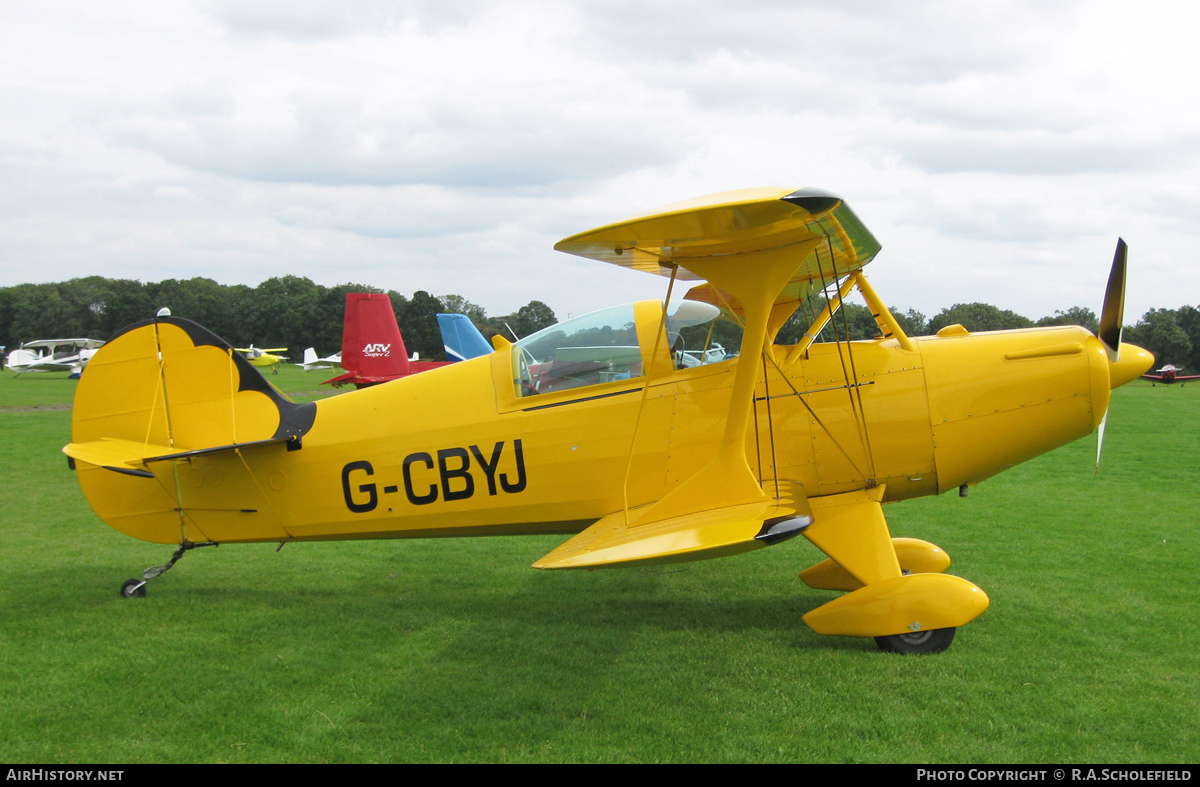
930 641
133 588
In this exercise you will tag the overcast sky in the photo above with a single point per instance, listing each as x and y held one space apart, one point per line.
995 149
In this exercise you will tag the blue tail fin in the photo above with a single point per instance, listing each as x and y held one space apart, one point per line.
461 338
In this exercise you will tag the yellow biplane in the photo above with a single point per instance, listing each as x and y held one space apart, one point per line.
610 428
263 357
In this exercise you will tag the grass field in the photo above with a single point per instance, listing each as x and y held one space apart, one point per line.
455 650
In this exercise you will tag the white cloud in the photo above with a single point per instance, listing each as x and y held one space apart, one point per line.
447 145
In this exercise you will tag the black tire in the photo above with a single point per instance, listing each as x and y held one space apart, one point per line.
133 588
931 641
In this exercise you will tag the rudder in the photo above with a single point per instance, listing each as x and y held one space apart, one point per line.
160 393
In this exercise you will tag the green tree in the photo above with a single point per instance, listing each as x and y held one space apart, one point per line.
399 306
126 302
493 326
39 311
1076 315
1188 319
218 307
280 312
912 322
852 316
531 318
418 326
1159 333
978 317
325 335
457 304
6 338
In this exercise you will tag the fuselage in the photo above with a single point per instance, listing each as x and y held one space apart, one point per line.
463 450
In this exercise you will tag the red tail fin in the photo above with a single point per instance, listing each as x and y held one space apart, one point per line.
372 347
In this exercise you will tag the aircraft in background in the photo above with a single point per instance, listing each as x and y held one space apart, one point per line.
312 363
263 357
1170 374
461 339
53 355
373 351
640 457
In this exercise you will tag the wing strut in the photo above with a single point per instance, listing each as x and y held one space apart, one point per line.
770 425
767 356
662 325
818 323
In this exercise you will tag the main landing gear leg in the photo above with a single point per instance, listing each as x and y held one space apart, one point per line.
136 588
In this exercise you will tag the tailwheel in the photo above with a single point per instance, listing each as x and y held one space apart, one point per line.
929 641
136 588
133 588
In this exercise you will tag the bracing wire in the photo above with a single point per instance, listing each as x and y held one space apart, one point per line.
816 418
846 372
866 435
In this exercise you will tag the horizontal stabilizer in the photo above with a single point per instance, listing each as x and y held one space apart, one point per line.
698 536
131 458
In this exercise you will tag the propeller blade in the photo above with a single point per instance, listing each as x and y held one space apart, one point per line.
1114 304
1100 441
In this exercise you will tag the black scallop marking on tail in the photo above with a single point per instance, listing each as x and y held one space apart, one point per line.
295 420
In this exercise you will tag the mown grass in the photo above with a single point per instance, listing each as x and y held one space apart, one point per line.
455 650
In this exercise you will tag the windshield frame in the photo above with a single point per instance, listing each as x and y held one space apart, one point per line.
647 319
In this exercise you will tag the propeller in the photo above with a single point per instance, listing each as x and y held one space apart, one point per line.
1111 319
1114 304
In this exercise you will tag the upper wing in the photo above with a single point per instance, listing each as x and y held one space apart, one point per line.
732 224
90 344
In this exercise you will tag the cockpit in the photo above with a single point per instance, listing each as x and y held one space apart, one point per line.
617 343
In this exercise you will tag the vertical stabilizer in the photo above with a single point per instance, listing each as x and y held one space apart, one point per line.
461 338
371 343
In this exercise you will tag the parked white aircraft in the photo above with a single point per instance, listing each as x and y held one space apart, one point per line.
53 355
312 362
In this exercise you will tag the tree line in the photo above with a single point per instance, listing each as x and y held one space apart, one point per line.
1172 335
287 311
295 312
